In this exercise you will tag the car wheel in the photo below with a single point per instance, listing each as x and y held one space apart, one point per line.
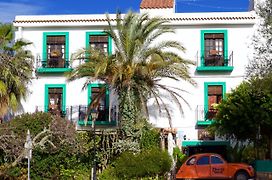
241 176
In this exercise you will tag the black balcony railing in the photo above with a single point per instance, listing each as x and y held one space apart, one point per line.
56 62
215 60
205 113
77 114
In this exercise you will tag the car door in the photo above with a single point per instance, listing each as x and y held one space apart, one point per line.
203 167
188 170
218 167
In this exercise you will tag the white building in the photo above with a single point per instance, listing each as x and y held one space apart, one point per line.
217 42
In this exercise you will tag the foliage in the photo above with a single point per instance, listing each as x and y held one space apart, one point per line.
242 152
16 66
179 157
61 164
140 61
149 163
261 64
58 152
49 133
249 108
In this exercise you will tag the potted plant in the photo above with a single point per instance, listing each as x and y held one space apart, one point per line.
55 53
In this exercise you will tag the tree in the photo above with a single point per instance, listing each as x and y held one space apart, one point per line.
140 61
261 63
16 68
245 115
58 150
47 131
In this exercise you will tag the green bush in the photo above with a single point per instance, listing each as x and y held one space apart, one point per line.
35 122
148 163
150 139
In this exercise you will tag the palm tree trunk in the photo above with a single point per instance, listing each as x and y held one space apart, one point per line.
128 112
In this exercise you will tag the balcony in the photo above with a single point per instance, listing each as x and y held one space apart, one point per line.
55 65
77 114
205 115
214 63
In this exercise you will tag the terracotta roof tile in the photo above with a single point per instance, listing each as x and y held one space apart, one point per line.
156 4
169 19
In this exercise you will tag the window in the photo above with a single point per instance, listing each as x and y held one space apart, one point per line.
214 49
55 99
204 160
214 93
99 40
214 55
216 160
55 50
191 161
100 93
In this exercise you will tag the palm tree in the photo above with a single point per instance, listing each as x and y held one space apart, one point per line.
16 67
140 61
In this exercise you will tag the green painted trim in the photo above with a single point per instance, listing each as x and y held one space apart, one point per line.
202 43
93 33
89 123
89 91
206 85
205 143
263 165
53 70
215 68
45 34
46 103
204 123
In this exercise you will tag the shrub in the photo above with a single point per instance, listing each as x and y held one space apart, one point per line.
150 139
148 163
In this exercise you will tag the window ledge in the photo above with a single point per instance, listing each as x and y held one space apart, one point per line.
89 123
53 70
204 123
215 68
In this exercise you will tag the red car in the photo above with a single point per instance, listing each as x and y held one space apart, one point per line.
213 166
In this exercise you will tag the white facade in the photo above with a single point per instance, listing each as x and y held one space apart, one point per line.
190 28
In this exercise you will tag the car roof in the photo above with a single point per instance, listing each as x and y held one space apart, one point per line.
205 154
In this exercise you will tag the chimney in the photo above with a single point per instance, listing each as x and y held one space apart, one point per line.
158 6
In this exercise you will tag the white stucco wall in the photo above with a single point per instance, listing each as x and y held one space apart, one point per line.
187 32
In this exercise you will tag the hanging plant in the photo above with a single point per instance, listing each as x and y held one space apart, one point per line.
55 53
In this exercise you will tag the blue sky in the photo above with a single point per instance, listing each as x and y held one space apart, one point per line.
10 8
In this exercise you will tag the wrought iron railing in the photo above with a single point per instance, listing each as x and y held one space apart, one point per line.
205 113
57 62
214 60
78 113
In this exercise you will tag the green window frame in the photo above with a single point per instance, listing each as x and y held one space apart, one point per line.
44 53
206 89
98 33
202 66
99 85
46 93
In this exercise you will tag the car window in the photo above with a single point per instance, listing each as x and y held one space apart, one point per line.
204 160
216 160
191 161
